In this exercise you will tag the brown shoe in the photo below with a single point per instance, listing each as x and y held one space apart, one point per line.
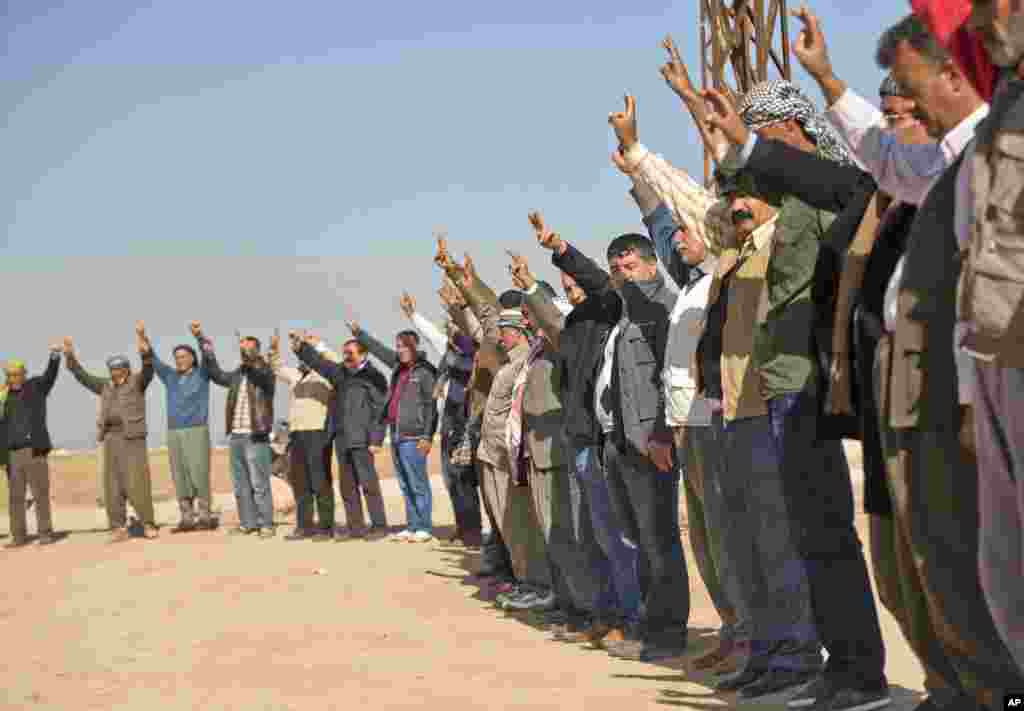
593 634
614 635
120 535
712 658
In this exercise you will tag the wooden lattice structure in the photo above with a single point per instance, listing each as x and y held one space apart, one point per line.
748 37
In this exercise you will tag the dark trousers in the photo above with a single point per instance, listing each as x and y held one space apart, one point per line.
819 494
357 473
646 503
310 477
463 490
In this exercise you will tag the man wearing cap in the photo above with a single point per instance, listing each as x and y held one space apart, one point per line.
25 445
249 415
188 435
504 350
122 430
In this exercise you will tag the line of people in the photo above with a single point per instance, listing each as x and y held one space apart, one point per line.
853 273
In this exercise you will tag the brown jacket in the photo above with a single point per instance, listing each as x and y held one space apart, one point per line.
124 404
991 290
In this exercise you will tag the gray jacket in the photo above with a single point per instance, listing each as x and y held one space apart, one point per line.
636 396
417 408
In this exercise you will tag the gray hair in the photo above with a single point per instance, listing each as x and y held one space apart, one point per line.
912 31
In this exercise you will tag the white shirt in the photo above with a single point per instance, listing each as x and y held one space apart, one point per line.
907 172
604 381
683 406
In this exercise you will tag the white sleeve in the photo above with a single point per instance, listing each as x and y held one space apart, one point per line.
430 332
902 170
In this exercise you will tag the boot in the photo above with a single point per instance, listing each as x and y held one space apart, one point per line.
187 522
207 522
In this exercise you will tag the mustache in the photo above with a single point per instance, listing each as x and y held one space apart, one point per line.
739 216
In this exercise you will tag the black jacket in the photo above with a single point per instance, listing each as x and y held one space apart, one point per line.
33 397
581 344
417 408
846 192
359 402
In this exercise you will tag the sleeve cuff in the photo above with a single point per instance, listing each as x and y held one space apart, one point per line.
646 199
635 155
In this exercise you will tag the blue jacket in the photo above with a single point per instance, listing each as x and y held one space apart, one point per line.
188 396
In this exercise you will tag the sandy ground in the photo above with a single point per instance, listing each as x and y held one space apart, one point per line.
204 620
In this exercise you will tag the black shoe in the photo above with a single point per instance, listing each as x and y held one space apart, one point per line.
820 688
845 699
743 677
774 681
299 534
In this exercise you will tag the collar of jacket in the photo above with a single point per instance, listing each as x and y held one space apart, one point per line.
759 238
636 292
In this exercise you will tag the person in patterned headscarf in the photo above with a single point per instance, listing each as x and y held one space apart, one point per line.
787 145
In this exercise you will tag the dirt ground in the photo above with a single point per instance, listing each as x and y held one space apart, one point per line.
209 621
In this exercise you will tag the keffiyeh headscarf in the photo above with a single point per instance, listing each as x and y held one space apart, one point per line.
778 100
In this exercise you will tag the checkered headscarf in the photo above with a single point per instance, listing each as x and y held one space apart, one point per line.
777 100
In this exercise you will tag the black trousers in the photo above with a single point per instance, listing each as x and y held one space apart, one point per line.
646 502
309 468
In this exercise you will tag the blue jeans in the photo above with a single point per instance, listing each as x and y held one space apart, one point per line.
250 478
620 598
411 469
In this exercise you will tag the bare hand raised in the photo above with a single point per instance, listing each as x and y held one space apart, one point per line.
545 237
624 123
722 115
408 304
520 269
809 46
442 258
195 329
676 75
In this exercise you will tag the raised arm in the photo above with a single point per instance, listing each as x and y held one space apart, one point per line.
49 376
288 376
545 314
145 349
459 311
209 362
428 331
904 171
378 349
312 357
89 381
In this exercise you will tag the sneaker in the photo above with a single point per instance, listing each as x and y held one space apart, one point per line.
401 536
853 700
517 592
421 537
819 688
267 532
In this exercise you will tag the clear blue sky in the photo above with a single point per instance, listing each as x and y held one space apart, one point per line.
253 164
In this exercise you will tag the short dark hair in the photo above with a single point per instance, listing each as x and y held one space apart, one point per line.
632 242
511 299
360 346
254 340
409 333
912 31
548 290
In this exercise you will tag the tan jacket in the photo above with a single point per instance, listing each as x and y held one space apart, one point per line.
311 396
991 289
746 307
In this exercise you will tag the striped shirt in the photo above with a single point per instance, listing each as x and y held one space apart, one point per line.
242 424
